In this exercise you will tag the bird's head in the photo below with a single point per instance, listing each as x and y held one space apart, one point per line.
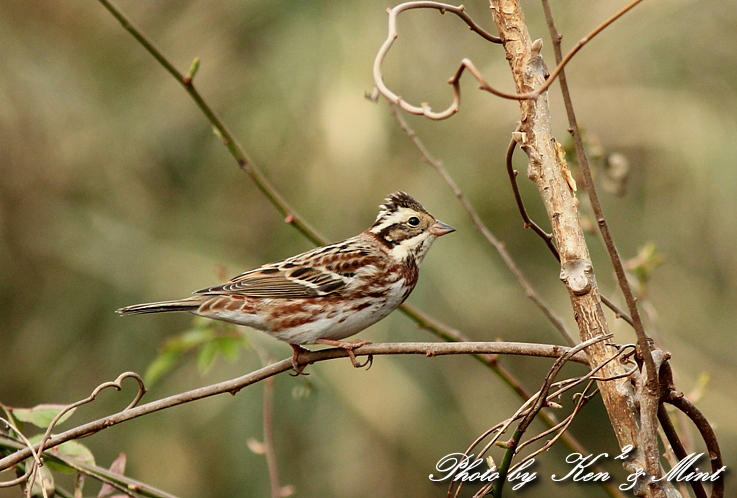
406 227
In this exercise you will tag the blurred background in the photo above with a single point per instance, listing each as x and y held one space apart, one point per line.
114 191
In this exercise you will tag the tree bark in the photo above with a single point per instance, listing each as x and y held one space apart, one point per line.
548 169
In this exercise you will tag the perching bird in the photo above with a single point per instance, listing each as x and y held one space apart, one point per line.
328 293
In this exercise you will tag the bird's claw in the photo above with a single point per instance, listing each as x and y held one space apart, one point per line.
296 367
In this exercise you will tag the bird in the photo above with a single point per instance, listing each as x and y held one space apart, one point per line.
328 293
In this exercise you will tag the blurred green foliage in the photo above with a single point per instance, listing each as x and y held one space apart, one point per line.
113 191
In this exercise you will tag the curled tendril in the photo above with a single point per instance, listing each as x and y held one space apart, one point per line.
116 384
466 64
31 469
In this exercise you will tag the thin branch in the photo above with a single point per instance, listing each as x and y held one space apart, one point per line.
104 475
677 399
524 410
530 291
707 434
392 35
232 386
244 162
268 417
650 394
675 442
538 405
490 361
642 339
30 472
547 238
466 64
559 429
528 223
117 385
277 490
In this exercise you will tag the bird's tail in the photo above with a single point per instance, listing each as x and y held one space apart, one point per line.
160 307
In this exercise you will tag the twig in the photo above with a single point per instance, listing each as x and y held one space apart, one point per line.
548 238
583 398
528 223
649 405
583 162
560 429
268 417
524 410
530 291
244 162
675 442
277 491
392 35
232 386
676 398
116 384
538 404
30 472
104 475
466 64
489 360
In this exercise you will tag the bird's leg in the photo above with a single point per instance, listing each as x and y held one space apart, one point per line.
349 346
297 350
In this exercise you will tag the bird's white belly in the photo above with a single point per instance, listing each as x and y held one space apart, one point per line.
334 325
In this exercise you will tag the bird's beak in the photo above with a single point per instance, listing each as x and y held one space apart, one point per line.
439 228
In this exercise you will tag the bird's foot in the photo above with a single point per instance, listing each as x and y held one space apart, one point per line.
349 346
297 350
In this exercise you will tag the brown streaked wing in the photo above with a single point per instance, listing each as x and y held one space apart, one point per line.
322 271
295 282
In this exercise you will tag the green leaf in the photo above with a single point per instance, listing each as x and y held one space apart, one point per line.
44 479
41 415
643 266
75 450
206 356
208 337
162 364
188 340
230 347
72 450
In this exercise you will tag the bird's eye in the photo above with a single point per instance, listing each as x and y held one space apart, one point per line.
413 221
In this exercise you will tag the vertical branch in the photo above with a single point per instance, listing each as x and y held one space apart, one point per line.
269 438
267 448
649 392
549 171
583 162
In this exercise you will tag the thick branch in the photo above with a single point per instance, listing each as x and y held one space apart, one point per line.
549 171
